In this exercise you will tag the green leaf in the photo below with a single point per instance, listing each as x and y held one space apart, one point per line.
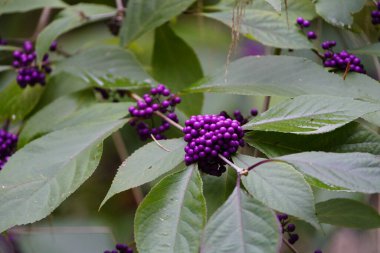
177 72
146 164
76 109
279 186
354 171
372 50
45 172
348 213
350 138
10 6
310 115
106 67
266 27
172 215
287 76
276 4
145 15
241 225
339 12
16 103
68 20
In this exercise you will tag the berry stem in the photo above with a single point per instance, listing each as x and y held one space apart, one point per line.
42 22
159 144
120 6
237 168
123 154
294 250
260 163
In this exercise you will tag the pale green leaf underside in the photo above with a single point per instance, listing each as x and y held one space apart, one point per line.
311 115
146 164
45 172
281 187
372 50
172 215
348 213
266 27
106 66
10 6
276 4
339 12
287 76
241 225
354 171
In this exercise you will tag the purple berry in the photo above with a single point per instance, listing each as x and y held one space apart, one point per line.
311 35
300 21
306 23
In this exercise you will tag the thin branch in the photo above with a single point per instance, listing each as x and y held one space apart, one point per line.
123 154
266 104
120 6
346 71
237 168
294 250
317 54
159 144
42 22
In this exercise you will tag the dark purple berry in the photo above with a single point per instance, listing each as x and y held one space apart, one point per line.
306 23
254 112
53 46
311 35
8 142
293 238
300 21
318 251
291 227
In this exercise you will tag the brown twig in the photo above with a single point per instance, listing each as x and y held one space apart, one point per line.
42 22
346 71
159 144
294 250
123 154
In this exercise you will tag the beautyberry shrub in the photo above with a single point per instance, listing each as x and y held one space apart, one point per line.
8 142
120 248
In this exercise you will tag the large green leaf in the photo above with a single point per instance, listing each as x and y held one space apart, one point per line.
106 67
339 12
287 76
16 103
276 4
266 27
354 171
172 215
76 109
138 169
350 138
145 15
372 50
177 72
311 115
279 186
348 213
241 225
9 6
45 172
68 20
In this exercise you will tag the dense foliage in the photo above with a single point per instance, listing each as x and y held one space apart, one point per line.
223 181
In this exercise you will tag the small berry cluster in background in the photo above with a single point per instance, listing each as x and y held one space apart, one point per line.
375 15
8 143
207 136
113 95
3 42
239 116
303 23
160 99
288 228
340 60
120 248
25 62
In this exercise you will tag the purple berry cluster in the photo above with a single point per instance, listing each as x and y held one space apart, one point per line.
8 143
120 248
29 73
340 60
113 95
375 15
288 228
160 99
303 23
239 116
207 136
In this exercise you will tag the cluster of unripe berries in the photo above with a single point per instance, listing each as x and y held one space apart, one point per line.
25 62
340 60
375 15
8 142
290 229
209 136
303 23
120 248
160 99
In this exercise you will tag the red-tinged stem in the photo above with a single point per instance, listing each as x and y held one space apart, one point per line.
42 22
294 250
